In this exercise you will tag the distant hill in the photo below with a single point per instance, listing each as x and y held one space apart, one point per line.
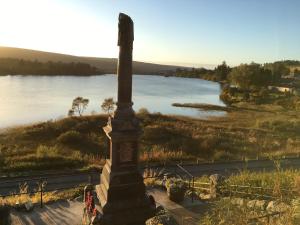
106 65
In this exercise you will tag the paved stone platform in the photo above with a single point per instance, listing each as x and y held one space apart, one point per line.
185 213
70 212
58 213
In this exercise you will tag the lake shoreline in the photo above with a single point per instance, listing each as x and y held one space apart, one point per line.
205 107
28 99
104 74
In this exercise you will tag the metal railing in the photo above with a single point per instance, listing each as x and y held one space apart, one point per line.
200 161
247 190
38 185
191 178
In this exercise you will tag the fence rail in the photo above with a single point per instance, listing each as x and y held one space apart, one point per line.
191 179
246 190
37 184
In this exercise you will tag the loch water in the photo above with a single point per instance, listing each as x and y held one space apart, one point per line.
30 99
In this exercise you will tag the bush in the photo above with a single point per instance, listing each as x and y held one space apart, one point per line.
42 131
1 158
66 124
143 111
45 151
176 189
70 138
223 155
165 219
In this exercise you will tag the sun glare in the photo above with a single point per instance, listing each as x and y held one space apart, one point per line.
49 26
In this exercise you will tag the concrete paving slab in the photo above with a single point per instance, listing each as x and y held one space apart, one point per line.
70 212
187 212
58 213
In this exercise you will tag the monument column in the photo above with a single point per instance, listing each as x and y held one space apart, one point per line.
121 191
125 41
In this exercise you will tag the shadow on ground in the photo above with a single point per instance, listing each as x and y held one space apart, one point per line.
70 212
187 212
60 213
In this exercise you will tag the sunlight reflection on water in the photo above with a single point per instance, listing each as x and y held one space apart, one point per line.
27 99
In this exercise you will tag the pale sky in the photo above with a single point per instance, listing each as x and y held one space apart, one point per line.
183 32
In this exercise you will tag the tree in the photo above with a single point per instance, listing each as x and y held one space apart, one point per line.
78 106
278 70
108 105
222 71
296 72
250 76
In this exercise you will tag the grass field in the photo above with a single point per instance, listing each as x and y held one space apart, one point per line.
249 131
284 186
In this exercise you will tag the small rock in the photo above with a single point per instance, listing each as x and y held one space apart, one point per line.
79 198
216 179
226 198
251 204
282 207
238 201
205 196
96 219
160 210
260 204
19 206
193 195
257 204
270 206
28 206
166 219
276 206
216 182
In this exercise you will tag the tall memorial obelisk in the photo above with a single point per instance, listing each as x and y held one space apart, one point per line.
121 191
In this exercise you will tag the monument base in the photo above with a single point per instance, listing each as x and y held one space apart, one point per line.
131 212
122 197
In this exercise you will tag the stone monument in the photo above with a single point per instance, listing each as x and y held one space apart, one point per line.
121 192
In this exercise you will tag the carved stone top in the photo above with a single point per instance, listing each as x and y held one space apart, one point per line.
126 36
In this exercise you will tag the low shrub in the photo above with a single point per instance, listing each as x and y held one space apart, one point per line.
158 154
165 219
71 137
176 189
45 151
223 155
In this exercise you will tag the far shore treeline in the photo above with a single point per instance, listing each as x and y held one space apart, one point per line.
270 72
244 75
11 66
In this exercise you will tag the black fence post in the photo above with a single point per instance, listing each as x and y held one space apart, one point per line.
90 178
41 190
193 189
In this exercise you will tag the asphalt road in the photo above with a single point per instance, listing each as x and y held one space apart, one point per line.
70 180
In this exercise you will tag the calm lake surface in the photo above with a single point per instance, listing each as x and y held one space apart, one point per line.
28 99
